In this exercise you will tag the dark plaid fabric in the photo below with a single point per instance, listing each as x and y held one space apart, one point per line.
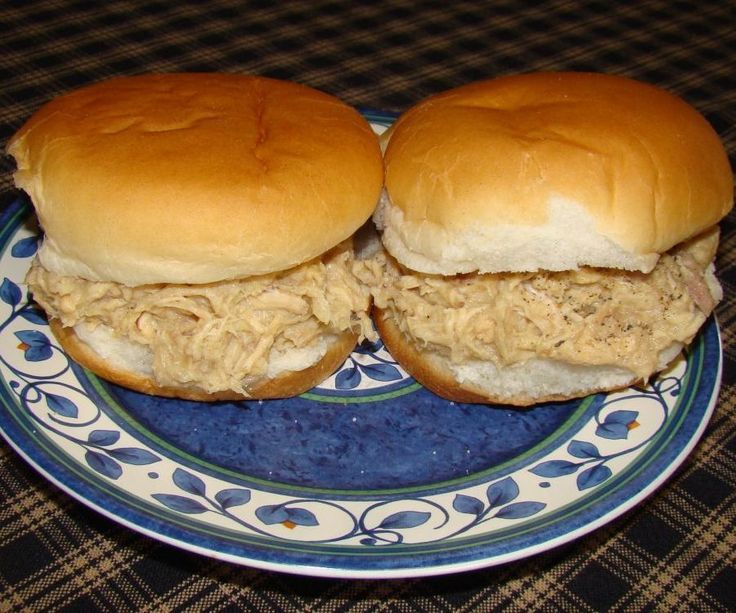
675 552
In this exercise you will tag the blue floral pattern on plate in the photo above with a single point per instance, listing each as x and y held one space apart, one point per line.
584 463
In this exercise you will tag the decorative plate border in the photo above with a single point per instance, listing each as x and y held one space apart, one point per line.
617 450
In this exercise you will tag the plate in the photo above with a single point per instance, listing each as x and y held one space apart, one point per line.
368 475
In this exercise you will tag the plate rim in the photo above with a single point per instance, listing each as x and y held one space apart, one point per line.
470 562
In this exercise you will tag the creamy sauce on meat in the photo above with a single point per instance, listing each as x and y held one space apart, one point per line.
217 336
588 316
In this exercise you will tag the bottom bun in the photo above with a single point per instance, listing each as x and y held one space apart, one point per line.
531 382
133 371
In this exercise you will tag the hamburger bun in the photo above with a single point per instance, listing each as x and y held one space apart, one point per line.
194 178
495 175
237 185
548 235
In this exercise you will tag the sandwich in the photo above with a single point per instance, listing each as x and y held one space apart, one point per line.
197 231
547 236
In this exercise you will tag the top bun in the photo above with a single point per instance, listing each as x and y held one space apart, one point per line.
194 178
550 171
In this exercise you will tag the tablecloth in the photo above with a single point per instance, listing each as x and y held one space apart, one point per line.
675 551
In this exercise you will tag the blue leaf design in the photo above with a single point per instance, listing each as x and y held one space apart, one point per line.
583 450
368 541
517 510
181 504
62 406
554 468
25 247
467 504
38 354
621 417
272 514
102 464
10 293
593 476
381 372
612 431
189 483
103 437
615 425
348 379
134 455
33 314
39 346
405 519
232 497
502 492
33 338
302 517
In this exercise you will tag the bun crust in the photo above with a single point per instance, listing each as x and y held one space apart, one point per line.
288 384
550 171
194 178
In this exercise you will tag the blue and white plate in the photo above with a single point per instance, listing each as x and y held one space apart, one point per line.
367 475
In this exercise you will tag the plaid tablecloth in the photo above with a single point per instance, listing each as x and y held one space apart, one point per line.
676 551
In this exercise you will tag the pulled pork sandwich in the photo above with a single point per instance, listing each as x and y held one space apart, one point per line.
548 236
197 231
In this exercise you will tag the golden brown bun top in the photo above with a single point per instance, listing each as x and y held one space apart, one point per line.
193 178
551 171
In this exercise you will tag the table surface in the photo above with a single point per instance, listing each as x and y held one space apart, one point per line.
677 550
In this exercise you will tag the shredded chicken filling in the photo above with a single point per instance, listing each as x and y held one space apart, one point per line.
587 316
217 336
